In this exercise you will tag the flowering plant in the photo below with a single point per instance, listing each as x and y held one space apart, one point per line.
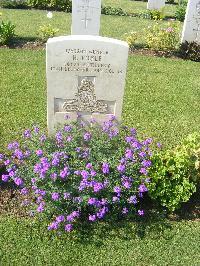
159 38
84 172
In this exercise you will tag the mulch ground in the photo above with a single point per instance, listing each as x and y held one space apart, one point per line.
38 45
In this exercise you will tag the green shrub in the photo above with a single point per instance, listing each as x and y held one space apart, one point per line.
60 5
108 10
159 38
153 14
7 32
190 51
175 174
171 1
47 31
131 38
180 12
13 3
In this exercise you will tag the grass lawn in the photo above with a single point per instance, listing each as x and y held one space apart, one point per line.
161 100
28 22
152 244
137 6
161 97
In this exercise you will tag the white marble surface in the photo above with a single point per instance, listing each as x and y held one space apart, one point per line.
86 17
82 59
155 4
191 28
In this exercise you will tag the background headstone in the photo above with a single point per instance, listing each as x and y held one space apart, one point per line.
191 28
86 17
85 76
155 4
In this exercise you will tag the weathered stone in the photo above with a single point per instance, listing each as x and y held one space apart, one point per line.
85 76
191 28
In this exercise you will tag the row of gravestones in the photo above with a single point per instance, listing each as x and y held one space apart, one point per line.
86 73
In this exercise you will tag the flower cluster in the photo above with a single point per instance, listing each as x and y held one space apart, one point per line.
82 172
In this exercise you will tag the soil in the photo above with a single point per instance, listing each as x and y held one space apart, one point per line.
38 45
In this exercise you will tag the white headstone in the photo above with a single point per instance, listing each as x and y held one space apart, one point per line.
85 76
86 17
155 4
191 28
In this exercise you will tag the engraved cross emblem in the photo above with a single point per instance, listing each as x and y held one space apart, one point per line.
87 9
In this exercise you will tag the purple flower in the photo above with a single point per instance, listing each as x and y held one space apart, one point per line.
142 188
136 144
159 145
143 171
54 176
53 226
121 168
146 163
7 162
89 166
129 154
112 117
11 173
147 141
93 121
105 168
92 218
66 195
75 214
87 136
141 212
92 201
68 227
19 154
133 131
55 161
93 173
124 210
69 138
97 187
66 117
55 196
77 199
39 153
67 128
40 208
33 180
142 154
84 174
64 173
1 156
113 133
18 181
24 191
43 138
117 190
5 178
115 199
60 218
133 199
14 145
36 129
59 137
27 134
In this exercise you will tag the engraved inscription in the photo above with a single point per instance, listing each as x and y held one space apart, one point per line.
86 61
85 100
